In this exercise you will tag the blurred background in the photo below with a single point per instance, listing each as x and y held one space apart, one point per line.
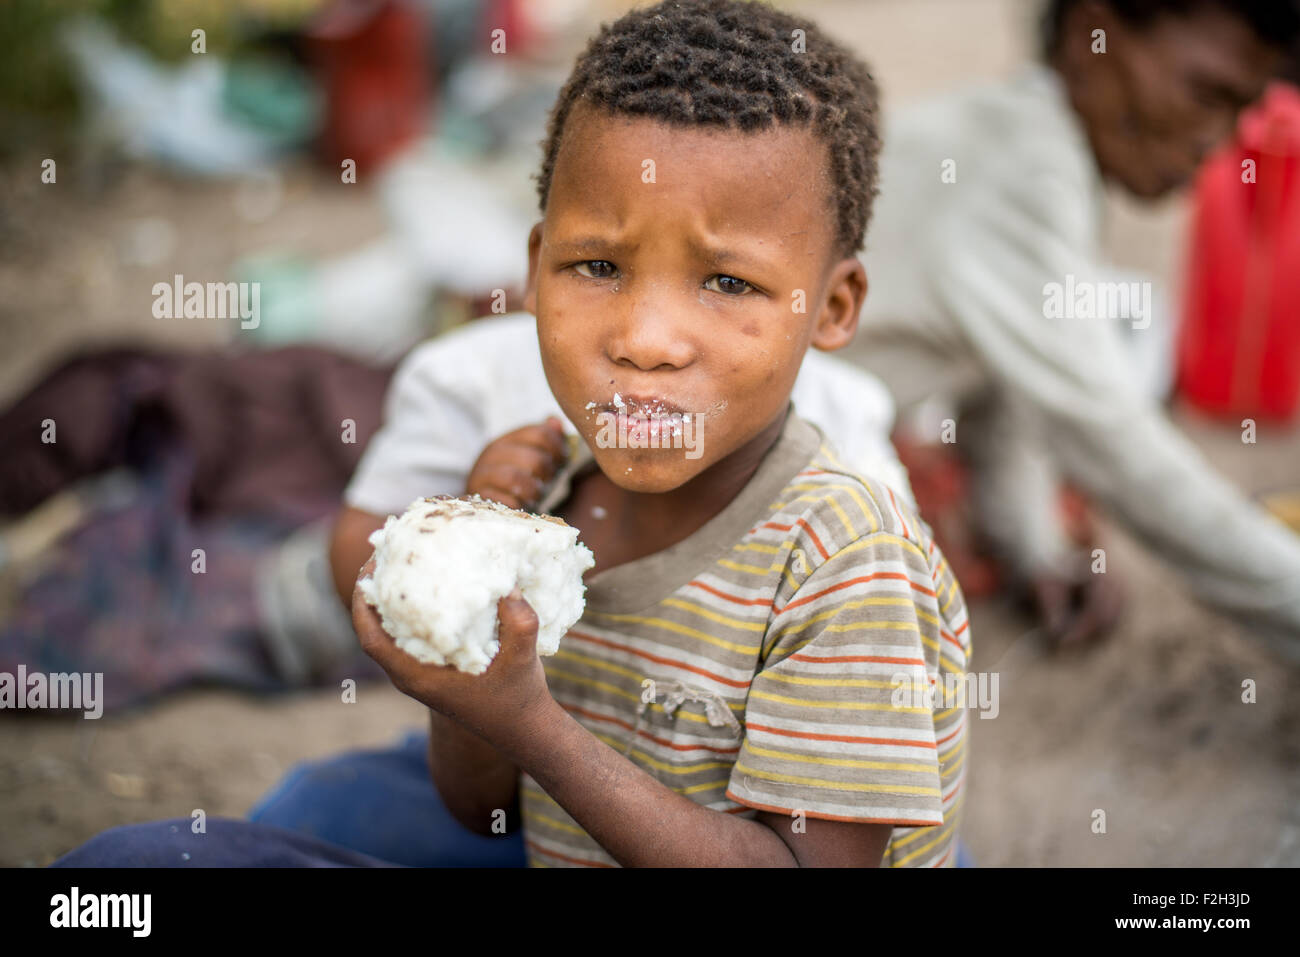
369 165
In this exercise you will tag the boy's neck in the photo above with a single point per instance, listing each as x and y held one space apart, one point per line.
638 524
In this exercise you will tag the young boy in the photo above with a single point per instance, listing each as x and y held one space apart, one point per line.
747 685
729 695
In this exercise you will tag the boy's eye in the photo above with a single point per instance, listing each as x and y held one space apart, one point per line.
596 269
729 285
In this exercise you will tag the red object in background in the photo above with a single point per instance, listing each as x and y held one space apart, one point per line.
510 16
1239 346
941 479
373 61
941 483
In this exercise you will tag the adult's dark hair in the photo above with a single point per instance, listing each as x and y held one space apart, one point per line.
1274 21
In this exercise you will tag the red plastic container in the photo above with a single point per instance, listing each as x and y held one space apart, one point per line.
1239 345
372 59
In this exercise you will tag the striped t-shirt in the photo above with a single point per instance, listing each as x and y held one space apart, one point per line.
757 664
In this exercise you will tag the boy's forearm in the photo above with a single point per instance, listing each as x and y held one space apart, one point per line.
474 779
636 819
350 547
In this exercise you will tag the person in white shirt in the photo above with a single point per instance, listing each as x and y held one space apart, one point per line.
984 247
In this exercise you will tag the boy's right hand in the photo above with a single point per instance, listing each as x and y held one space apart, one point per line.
515 468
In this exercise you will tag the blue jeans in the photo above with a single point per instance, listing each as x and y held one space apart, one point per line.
360 809
383 804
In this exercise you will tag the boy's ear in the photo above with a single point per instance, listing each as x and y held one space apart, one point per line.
846 291
534 255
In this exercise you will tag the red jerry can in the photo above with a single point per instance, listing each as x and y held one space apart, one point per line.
1239 345
372 60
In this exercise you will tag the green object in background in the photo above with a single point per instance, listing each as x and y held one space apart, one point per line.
276 99
290 305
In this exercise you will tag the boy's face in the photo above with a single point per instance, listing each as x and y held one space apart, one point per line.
1163 95
683 270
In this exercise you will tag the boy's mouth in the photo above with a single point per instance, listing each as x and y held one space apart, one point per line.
645 417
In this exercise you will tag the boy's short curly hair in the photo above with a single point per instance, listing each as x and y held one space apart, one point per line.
740 65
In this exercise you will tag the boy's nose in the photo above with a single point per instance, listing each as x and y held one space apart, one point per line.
650 339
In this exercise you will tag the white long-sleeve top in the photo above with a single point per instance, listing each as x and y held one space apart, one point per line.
958 273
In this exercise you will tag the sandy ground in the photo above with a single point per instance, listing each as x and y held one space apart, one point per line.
1149 728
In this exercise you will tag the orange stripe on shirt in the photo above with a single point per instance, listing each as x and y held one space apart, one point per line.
945 740
754 602
847 738
658 659
906 533
951 640
564 857
801 523
907 822
837 659
606 719
898 576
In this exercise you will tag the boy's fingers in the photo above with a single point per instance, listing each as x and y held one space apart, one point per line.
362 612
403 670
516 617
516 483
502 497
545 438
531 460
525 458
373 639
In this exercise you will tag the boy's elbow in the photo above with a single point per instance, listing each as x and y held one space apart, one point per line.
486 824
478 818
483 800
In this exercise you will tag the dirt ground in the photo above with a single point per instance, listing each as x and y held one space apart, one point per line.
1149 728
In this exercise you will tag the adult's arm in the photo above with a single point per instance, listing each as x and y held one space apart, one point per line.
1107 435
